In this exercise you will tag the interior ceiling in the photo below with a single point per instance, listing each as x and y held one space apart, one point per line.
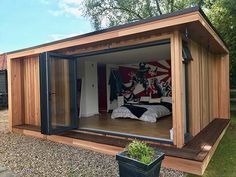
153 53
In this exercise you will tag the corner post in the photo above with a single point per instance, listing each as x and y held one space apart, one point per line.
177 89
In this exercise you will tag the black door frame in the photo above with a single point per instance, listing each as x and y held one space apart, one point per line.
46 127
118 49
105 51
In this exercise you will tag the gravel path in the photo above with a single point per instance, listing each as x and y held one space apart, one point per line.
3 121
27 156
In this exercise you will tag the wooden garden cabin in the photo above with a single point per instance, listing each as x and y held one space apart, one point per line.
3 81
51 84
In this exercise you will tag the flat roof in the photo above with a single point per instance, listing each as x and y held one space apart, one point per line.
132 24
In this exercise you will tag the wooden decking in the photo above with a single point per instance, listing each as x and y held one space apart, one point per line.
192 158
205 140
196 149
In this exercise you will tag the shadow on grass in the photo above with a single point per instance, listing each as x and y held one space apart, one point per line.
223 163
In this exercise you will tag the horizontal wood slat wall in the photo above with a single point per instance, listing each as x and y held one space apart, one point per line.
208 87
25 91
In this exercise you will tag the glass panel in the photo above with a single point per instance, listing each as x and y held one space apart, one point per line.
60 83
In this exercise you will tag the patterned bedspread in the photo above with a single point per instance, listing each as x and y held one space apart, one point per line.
151 115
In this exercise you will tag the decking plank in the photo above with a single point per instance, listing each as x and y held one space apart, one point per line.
208 135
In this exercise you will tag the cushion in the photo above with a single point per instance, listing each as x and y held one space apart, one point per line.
155 100
166 99
144 99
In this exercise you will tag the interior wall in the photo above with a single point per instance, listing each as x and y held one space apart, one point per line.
87 71
160 70
156 73
25 91
208 74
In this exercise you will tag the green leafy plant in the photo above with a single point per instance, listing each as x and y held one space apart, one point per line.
140 151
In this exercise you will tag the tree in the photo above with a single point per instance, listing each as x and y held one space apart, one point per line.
107 13
222 13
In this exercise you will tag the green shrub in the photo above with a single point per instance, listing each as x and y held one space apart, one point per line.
140 151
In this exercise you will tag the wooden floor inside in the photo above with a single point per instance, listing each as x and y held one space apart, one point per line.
159 129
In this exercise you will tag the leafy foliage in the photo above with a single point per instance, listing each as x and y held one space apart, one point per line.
222 13
107 13
140 151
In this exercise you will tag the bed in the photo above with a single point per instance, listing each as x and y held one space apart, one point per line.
144 112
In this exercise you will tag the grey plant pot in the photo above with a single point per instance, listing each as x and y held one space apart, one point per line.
132 168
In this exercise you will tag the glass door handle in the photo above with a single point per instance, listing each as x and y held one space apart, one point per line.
52 93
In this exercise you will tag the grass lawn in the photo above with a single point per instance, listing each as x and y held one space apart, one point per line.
233 93
223 163
233 103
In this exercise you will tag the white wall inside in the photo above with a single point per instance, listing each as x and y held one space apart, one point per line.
87 71
81 75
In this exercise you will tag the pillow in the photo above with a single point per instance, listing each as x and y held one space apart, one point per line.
154 100
144 99
155 96
166 99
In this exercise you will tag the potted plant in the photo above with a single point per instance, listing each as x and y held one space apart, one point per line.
139 160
